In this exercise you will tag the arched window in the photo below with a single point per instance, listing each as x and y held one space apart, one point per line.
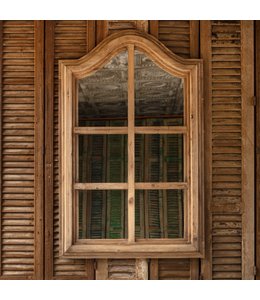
131 151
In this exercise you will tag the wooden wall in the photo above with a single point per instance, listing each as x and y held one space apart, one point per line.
29 227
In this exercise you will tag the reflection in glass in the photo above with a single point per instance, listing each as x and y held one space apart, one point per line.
159 158
158 94
102 214
159 213
102 158
102 96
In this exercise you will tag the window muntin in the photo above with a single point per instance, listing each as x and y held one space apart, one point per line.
190 70
155 98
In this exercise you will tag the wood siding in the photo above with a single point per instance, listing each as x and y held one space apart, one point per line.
224 99
20 256
64 40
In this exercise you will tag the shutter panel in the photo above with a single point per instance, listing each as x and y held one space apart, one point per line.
224 55
118 25
176 36
64 40
18 200
123 269
226 149
174 269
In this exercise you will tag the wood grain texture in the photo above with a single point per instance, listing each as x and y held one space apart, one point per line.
182 37
176 36
153 28
205 54
49 176
1 82
131 145
39 148
248 150
18 149
223 52
257 131
91 35
68 39
190 70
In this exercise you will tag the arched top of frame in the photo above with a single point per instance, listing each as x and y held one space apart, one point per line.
120 41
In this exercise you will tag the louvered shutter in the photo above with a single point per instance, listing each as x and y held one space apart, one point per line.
18 146
64 40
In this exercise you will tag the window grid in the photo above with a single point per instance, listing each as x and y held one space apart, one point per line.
131 130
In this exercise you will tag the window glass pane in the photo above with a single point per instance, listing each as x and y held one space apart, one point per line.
159 213
102 96
159 96
102 214
159 158
102 158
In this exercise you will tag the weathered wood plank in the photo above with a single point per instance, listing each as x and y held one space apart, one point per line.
1 82
49 179
248 159
205 54
257 131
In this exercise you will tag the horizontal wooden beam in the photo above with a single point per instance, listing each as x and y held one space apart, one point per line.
161 185
160 129
137 130
100 130
138 185
101 186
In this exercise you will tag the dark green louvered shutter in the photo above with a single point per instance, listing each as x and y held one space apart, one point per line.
116 199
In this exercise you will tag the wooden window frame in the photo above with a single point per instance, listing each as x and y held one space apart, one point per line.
192 245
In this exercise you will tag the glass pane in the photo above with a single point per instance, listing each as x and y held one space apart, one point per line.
158 94
102 214
102 158
159 157
103 95
159 213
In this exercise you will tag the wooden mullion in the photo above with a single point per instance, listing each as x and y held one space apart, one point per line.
1 171
101 186
160 129
100 130
137 185
131 146
39 149
49 147
137 130
161 185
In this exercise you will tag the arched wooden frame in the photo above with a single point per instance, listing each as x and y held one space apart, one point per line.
190 70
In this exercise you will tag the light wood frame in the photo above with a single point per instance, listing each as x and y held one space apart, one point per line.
192 245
